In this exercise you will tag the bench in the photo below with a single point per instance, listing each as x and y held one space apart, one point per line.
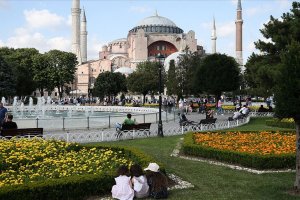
135 127
208 121
22 132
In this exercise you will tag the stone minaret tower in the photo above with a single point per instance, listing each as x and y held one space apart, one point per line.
214 38
76 29
239 34
83 38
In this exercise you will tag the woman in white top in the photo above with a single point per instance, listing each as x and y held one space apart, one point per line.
123 188
139 181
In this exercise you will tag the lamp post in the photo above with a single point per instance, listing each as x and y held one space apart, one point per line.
160 59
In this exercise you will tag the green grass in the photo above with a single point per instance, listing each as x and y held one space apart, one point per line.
216 182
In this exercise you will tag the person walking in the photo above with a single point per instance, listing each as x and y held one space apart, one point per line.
3 112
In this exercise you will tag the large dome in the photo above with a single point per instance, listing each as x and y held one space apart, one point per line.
156 20
157 24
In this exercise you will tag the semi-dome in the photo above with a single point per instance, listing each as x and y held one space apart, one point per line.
174 56
124 70
157 24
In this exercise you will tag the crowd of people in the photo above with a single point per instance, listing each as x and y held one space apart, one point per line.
138 183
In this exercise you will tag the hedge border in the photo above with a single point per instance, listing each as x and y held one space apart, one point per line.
244 159
280 124
74 187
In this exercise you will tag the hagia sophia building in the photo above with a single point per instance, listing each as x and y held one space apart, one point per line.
152 36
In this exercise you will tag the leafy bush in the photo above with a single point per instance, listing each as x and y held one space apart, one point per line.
284 123
74 186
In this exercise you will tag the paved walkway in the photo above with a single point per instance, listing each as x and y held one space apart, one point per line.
196 117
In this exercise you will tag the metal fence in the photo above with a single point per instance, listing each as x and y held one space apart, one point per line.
170 129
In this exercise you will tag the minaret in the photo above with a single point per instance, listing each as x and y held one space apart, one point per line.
239 34
83 38
76 29
214 38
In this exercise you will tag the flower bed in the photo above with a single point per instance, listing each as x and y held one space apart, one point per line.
40 169
263 150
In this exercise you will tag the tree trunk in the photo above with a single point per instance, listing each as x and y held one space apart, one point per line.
297 182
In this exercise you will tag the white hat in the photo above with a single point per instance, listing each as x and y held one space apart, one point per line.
152 167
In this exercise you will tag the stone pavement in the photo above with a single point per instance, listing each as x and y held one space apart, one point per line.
196 117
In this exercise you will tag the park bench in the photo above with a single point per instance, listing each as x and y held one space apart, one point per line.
142 127
27 132
208 121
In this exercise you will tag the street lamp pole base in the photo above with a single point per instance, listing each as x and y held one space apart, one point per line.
160 129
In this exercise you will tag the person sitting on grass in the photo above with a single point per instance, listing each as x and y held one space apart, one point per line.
123 188
157 181
139 181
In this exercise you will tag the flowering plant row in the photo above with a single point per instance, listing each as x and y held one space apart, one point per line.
25 161
260 150
262 143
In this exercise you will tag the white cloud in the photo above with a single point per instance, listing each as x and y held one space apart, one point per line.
94 46
140 9
43 19
224 29
59 43
23 39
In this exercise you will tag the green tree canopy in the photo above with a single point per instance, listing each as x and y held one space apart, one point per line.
145 80
21 61
41 70
7 82
218 73
62 67
278 33
109 84
171 82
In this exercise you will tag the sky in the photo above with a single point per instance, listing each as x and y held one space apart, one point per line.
46 24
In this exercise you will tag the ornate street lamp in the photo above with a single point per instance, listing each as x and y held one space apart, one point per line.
160 58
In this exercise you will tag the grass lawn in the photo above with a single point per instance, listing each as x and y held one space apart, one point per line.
216 182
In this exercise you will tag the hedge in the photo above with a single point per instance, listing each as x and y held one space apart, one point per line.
243 159
281 124
74 187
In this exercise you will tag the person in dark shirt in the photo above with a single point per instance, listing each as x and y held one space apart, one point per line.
8 123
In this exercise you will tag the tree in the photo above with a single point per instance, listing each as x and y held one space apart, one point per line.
62 68
109 84
171 83
218 73
259 75
185 73
7 82
145 79
21 61
287 94
41 71
282 51
278 33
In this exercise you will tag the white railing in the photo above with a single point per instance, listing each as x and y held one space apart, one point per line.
172 129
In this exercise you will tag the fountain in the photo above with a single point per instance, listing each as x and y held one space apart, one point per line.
3 101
